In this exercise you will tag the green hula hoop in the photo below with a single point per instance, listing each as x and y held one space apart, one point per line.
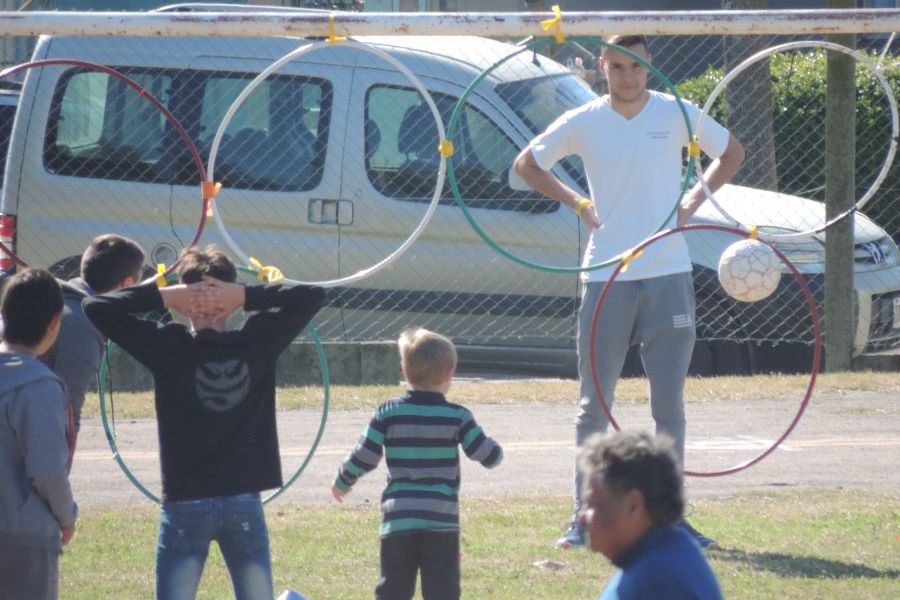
451 170
111 434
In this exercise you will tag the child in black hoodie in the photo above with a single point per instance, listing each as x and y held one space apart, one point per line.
215 405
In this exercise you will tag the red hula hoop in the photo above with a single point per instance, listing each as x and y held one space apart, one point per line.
817 352
198 161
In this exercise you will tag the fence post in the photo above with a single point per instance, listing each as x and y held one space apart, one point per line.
840 193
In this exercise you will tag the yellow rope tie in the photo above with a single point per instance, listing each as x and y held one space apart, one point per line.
628 257
268 274
694 148
555 24
333 38
754 232
582 204
209 190
446 148
161 275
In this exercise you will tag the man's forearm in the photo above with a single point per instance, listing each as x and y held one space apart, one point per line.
718 174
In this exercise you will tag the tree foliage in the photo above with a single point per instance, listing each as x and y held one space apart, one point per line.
798 98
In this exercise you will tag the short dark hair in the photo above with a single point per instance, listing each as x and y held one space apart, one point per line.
628 461
211 261
626 41
30 300
109 259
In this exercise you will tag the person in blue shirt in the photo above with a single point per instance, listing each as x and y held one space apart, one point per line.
634 504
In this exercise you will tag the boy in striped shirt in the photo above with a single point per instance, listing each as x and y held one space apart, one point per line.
419 434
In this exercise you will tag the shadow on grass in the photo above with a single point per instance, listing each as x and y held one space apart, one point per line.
787 565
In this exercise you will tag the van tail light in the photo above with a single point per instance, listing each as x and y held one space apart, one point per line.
8 239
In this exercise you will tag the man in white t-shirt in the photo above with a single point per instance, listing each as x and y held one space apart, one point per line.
631 144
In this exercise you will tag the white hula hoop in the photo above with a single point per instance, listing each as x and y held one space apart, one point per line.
889 158
442 168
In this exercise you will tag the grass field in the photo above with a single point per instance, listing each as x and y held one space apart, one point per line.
550 391
807 544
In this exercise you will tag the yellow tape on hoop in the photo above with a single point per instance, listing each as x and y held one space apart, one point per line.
694 148
446 148
629 256
268 274
555 24
754 232
161 275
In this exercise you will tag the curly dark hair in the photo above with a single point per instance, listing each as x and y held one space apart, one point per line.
626 461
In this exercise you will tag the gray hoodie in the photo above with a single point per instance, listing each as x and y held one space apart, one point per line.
76 355
35 495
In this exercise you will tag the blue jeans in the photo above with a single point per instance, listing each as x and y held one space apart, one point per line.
186 529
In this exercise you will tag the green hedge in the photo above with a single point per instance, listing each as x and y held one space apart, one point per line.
798 97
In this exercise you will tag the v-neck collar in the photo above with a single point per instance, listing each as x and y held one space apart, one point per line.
637 116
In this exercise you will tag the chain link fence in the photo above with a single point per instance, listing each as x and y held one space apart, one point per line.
331 163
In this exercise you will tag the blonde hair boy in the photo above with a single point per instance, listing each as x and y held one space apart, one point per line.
426 357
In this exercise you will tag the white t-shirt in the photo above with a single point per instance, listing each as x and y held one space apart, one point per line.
633 169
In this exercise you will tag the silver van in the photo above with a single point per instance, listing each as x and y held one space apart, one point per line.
331 163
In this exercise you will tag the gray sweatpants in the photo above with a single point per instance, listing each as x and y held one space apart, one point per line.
658 314
28 573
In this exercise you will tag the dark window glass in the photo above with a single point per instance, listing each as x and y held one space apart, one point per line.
540 101
100 127
402 157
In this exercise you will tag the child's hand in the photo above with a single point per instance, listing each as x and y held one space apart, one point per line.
67 533
338 493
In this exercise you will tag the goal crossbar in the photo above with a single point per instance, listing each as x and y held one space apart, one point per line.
316 24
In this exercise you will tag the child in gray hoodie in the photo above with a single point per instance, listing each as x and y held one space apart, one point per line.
37 511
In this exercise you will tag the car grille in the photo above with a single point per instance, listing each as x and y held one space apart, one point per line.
878 252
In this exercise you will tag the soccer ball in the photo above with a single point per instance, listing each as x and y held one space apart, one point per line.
749 270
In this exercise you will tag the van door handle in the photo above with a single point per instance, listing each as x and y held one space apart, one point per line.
329 212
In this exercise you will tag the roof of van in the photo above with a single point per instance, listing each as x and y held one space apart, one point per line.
452 58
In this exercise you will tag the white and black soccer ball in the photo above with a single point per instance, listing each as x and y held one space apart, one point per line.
749 270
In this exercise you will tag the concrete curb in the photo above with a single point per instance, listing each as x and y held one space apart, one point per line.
881 361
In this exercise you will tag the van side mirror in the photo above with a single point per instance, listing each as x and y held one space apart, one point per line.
517 183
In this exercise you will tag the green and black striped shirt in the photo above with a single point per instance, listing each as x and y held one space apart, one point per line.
419 434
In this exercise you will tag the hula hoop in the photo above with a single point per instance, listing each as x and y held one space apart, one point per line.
151 99
817 353
457 196
432 207
889 158
111 432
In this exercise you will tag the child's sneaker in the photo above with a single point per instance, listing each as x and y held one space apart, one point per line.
707 543
575 537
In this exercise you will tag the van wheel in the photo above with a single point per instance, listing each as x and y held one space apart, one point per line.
66 268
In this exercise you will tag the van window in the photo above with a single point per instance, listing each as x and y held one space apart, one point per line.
276 139
540 101
402 158
99 127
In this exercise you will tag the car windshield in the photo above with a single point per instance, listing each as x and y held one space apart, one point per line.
539 101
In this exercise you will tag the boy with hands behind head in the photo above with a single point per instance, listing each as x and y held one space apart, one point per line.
418 434
215 404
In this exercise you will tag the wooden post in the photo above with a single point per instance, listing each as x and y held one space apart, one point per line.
840 194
